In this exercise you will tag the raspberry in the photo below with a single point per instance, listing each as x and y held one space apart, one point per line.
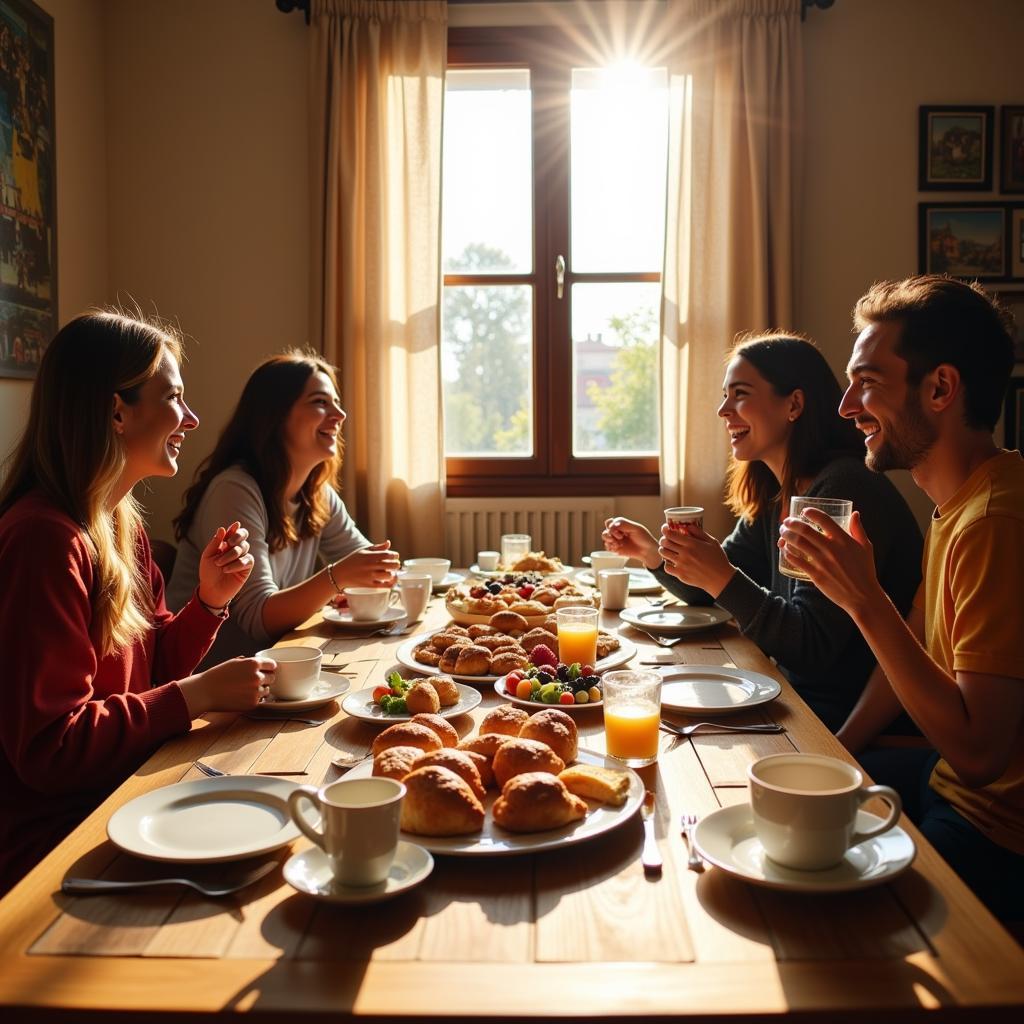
543 655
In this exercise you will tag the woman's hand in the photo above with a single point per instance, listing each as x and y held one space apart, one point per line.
625 537
224 566
695 558
375 566
235 685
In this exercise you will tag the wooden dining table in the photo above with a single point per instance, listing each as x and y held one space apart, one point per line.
575 932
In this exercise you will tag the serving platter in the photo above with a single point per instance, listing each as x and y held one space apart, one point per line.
360 704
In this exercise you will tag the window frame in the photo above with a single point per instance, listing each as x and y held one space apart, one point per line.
552 469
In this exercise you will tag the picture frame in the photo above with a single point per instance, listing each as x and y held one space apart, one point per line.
1013 415
1015 241
1011 149
955 148
28 190
966 240
1014 303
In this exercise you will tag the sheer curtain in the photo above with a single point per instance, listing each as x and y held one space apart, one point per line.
734 183
377 94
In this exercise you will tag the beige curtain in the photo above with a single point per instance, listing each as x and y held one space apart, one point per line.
377 93
734 183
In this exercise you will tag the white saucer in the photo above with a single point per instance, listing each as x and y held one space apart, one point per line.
310 872
714 690
450 580
726 838
329 686
640 580
343 617
673 620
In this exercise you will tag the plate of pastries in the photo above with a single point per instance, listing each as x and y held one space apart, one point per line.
482 653
534 562
519 784
435 695
474 605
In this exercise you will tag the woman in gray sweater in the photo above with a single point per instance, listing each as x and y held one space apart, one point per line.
780 408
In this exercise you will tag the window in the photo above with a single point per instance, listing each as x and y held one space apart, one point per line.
553 227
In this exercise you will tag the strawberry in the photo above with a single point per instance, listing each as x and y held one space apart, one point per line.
525 591
478 592
543 655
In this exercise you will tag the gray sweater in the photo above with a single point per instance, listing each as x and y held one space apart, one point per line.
814 642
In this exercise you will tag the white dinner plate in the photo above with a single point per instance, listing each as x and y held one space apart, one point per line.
710 690
450 580
309 872
343 617
404 656
360 704
727 839
673 619
496 574
640 581
207 820
534 705
470 619
329 686
493 840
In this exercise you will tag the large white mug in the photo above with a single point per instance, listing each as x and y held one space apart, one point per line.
805 808
358 826
414 588
297 672
613 585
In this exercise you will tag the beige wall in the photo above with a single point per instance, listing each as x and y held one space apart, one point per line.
81 181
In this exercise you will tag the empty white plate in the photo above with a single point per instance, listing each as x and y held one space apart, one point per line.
310 872
707 689
727 839
675 619
207 820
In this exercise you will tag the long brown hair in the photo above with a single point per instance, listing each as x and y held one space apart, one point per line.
254 440
72 454
818 436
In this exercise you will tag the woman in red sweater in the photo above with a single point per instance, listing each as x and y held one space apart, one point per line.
96 671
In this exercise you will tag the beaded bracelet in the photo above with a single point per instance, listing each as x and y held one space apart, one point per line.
330 576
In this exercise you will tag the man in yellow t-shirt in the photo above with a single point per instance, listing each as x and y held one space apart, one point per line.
928 375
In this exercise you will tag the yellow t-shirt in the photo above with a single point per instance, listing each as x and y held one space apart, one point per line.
974 620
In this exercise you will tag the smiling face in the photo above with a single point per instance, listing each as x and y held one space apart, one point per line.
152 428
884 407
312 429
759 421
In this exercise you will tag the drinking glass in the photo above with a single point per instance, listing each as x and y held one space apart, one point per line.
838 508
513 547
632 714
577 635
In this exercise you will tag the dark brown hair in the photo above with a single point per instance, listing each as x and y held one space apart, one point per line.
254 440
819 435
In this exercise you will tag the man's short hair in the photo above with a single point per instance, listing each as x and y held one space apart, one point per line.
944 320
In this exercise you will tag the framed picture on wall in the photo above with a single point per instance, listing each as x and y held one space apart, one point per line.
955 149
1014 302
963 240
28 214
1013 415
1011 149
1015 241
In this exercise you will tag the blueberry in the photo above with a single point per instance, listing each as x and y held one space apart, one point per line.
544 677
494 588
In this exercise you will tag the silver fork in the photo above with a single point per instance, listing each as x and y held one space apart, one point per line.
95 886
693 861
216 773
663 641
689 730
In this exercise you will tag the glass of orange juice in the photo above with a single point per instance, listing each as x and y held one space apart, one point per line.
632 714
577 635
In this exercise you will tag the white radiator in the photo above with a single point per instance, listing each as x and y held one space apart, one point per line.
566 527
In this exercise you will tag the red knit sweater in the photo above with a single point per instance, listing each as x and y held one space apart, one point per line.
73 726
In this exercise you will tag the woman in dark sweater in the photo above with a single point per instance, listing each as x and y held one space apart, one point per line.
780 407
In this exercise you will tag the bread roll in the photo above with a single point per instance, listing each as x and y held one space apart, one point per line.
422 697
426 655
396 762
446 732
459 761
519 756
556 729
486 745
483 766
439 803
447 690
528 608
509 622
406 734
590 780
535 802
505 718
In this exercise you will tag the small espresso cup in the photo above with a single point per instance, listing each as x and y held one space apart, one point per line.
367 604
488 560
414 588
607 560
297 672
358 826
805 808
684 515
613 585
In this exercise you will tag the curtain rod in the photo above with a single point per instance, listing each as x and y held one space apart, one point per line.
287 6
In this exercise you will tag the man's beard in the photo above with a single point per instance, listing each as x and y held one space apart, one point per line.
906 443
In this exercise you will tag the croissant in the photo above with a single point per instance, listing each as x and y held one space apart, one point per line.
469 661
535 802
509 622
446 732
519 756
426 656
508 661
439 803
459 761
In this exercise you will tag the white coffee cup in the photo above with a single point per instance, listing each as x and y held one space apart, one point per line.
607 560
358 826
297 672
414 588
805 808
436 567
684 515
488 560
613 585
367 604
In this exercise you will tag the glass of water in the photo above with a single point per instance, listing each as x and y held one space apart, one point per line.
838 508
